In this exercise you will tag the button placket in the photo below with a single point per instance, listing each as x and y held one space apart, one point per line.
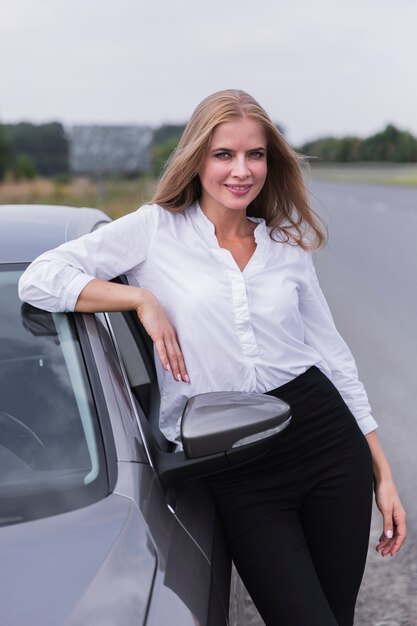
241 311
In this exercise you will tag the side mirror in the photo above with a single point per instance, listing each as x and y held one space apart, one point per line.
223 429
222 421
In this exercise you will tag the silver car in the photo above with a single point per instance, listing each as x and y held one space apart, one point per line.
101 521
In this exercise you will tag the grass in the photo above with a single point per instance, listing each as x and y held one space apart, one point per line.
115 197
375 173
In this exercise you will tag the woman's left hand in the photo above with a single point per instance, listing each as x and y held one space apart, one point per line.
393 514
387 500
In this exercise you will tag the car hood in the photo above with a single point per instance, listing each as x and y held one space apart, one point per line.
91 566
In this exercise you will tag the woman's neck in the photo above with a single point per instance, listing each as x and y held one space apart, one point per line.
229 224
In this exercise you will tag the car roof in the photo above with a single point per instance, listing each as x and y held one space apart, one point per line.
27 230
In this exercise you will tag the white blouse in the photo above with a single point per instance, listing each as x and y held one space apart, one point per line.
251 331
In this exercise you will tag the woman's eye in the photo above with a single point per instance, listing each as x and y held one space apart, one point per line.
257 154
222 155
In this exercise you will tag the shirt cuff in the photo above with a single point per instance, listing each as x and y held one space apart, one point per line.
367 424
74 289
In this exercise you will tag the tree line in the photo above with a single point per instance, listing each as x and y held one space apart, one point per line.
391 144
28 150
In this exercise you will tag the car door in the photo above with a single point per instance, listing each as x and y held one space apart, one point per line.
193 576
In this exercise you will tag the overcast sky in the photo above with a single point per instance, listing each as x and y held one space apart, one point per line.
318 66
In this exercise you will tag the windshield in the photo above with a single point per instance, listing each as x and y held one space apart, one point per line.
51 455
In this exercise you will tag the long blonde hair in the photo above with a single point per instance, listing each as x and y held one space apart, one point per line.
282 201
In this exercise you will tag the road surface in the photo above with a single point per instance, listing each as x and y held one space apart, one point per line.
369 275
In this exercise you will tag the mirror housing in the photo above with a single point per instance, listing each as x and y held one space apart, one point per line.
223 420
223 429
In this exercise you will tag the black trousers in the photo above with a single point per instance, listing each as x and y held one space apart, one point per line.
297 521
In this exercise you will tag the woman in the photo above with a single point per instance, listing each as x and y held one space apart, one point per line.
221 276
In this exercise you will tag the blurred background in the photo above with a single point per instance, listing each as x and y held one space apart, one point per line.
95 94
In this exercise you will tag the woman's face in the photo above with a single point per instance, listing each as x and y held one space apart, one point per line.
235 168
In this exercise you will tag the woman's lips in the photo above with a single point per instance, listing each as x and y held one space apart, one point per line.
238 190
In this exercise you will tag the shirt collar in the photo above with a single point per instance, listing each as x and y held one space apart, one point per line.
261 233
208 226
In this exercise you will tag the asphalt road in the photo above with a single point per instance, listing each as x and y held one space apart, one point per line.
369 275
368 272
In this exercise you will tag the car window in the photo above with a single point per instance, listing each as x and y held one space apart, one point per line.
136 352
51 453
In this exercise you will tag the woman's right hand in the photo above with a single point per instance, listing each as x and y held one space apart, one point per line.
101 295
160 329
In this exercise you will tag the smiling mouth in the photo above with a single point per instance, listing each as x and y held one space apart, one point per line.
239 187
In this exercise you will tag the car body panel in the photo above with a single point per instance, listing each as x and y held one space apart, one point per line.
187 534
30 230
184 587
74 568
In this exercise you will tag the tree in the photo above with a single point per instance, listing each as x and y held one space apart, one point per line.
326 148
23 168
161 153
390 145
168 131
46 145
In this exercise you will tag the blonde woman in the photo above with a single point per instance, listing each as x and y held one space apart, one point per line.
221 276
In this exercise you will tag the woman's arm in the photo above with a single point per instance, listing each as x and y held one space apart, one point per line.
321 332
387 500
75 277
100 295
55 279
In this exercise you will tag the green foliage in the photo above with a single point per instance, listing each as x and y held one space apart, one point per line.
165 140
46 145
23 168
161 153
344 150
64 178
168 131
4 153
391 145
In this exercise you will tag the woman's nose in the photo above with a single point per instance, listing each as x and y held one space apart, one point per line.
240 167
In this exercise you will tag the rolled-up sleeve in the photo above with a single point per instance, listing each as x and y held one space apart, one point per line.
55 279
322 334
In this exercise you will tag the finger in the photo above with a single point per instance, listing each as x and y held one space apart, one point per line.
400 537
397 545
176 361
382 538
388 525
162 354
172 359
384 547
182 368
387 534
382 544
